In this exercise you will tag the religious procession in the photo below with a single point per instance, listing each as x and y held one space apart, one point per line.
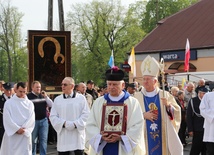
158 102
147 120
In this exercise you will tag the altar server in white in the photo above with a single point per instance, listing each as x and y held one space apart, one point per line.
19 121
207 111
131 142
68 116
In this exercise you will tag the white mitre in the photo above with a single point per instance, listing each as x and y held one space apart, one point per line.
150 66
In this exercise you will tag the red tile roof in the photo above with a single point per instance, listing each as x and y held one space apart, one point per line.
195 22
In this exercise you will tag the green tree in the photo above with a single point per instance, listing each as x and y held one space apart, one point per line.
160 9
98 28
13 55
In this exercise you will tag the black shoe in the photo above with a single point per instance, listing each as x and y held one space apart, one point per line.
50 143
184 145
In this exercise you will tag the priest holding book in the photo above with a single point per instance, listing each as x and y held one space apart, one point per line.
115 124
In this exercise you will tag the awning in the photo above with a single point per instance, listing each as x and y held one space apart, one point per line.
192 76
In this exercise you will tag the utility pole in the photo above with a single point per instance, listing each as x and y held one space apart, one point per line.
50 15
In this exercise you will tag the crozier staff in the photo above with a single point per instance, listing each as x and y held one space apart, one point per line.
161 113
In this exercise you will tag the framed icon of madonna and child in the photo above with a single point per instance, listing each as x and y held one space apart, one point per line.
49 56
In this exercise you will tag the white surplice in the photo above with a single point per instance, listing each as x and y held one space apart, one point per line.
18 113
131 144
207 111
73 111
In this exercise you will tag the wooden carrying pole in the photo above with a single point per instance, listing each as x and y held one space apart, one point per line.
61 15
50 15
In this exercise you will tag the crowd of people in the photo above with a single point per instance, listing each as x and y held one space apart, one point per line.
119 119
192 103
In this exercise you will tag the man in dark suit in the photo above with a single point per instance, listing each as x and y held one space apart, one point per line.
5 96
201 84
90 89
195 123
131 88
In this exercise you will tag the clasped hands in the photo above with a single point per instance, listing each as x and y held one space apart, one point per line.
20 131
112 138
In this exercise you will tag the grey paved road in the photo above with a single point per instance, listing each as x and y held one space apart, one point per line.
52 149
